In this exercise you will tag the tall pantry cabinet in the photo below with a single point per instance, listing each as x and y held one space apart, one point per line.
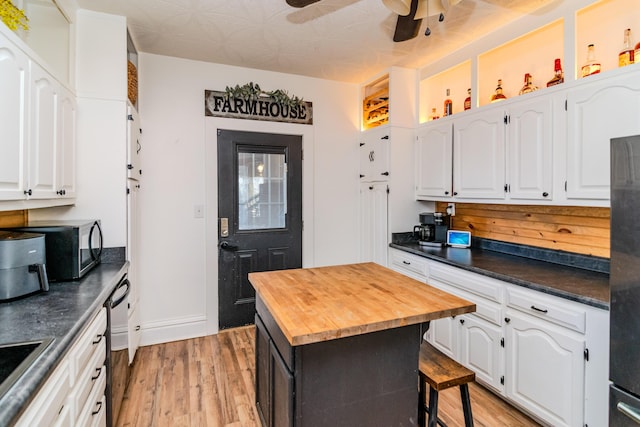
110 144
386 154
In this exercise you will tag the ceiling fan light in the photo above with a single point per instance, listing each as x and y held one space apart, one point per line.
400 7
431 8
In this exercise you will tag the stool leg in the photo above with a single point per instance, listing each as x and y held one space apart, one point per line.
422 403
466 405
433 407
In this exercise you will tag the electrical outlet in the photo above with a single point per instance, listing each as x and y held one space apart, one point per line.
198 211
451 209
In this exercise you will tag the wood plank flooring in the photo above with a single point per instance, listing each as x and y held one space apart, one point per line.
209 381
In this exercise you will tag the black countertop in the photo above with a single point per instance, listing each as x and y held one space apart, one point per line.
61 314
573 283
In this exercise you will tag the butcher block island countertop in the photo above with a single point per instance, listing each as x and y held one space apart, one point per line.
311 305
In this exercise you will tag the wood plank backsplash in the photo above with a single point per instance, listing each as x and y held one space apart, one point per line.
583 230
13 218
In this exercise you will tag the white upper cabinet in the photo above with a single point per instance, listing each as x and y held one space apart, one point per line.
529 148
434 160
42 135
374 155
479 156
14 66
598 111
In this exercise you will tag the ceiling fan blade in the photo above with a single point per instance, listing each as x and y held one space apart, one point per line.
407 26
301 3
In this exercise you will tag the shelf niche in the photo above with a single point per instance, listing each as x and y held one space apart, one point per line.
375 104
433 91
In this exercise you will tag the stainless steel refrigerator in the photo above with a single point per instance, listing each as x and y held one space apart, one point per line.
624 356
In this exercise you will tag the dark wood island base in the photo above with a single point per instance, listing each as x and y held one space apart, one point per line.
339 346
362 380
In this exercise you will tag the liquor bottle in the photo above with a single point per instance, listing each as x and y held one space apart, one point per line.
434 115
591 66
498 95
636 53
448 105
467 100
528 86
559 75
626 55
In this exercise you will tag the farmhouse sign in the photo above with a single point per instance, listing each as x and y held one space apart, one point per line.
219 104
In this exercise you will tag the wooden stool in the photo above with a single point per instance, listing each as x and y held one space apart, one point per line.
441 372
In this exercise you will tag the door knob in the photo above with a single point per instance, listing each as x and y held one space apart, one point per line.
228 246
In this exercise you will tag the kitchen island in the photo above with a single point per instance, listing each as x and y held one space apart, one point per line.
339 345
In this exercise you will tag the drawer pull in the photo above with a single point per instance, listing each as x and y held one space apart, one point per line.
98 408
541 310
406 262
98 370
98 338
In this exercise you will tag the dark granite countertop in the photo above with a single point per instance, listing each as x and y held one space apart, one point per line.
585 285
60 314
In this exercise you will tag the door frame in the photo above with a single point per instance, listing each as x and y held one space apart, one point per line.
212 124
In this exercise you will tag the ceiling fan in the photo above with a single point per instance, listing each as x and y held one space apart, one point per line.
410 14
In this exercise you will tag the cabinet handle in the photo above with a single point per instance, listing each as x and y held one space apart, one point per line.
541 310
61 192
455 193
545 194
629 411
98 408
28 192
98 370
371 187
98 339
506 319
137 327
462 321
406 262
446 193
361 176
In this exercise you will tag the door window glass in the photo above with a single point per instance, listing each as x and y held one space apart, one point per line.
262 190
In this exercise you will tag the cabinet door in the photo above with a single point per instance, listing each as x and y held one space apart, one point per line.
479 156
434 161
134 144
263 346
134 332
373 223
374 155
42 135
545 370
14 67
281 391
481 349
597 112
66 145
530 145
443 334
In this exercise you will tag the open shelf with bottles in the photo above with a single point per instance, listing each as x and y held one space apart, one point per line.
532 53
433 90
603 24
375 104
563 33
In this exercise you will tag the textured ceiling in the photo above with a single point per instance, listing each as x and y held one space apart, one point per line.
345 40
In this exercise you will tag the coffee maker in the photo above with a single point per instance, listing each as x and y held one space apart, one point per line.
433 228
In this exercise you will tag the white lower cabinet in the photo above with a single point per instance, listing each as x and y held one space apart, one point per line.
547 355
545 369
74 395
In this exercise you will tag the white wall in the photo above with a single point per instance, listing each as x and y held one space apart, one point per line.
178 269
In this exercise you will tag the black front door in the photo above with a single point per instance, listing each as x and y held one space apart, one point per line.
259 215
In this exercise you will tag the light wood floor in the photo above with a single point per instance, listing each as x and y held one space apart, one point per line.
209 381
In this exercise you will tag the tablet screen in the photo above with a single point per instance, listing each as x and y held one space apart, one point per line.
458 239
